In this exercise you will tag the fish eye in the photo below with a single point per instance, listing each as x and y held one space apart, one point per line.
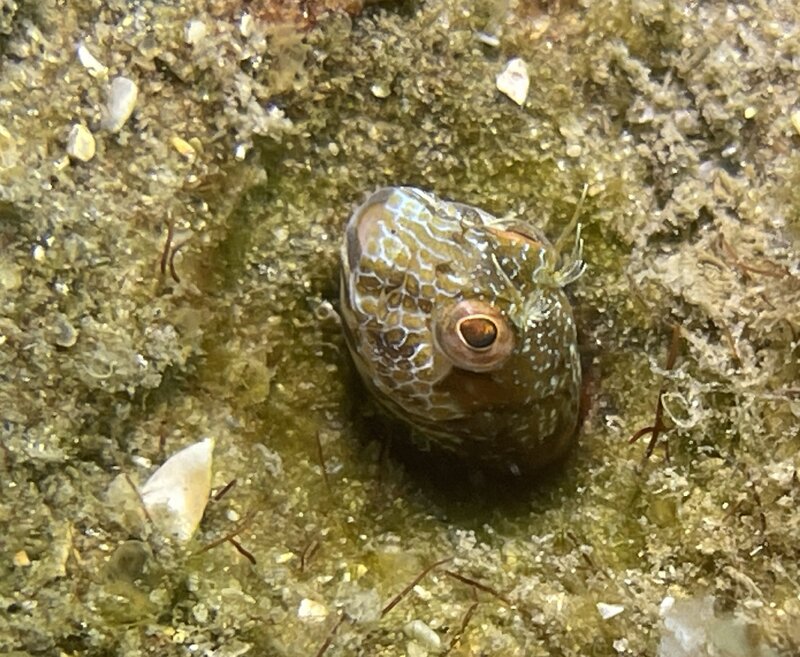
474 335
477 331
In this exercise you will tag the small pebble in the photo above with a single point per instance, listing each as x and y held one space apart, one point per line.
621 645
10 275
128 561
194 32
573 150
285 557
200 613
183 147
312 610
141 461
246 25
488 39
421 632
80 143
514 82
750 112
64 333
607 611
122 97
795 119
414 649
380 90
21 559
423 593
9 154
61 163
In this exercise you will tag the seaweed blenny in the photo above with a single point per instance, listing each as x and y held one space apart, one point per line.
459 325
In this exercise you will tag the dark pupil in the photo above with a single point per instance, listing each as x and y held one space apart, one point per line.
478 332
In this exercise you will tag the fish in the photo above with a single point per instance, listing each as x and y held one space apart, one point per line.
459 325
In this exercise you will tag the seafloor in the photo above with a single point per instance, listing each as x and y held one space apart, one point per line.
256 129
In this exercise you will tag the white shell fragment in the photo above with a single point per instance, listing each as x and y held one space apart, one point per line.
176 494
513 81
312 610
488 39
422 633
90 62
122 97
607 611
80 143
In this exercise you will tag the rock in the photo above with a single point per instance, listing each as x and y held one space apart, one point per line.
80 143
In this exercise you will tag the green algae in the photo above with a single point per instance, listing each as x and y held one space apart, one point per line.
691 218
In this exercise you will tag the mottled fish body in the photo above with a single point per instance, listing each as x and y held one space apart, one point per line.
458 323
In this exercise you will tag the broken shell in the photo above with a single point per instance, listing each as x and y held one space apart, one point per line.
90 62
122 96
176 495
